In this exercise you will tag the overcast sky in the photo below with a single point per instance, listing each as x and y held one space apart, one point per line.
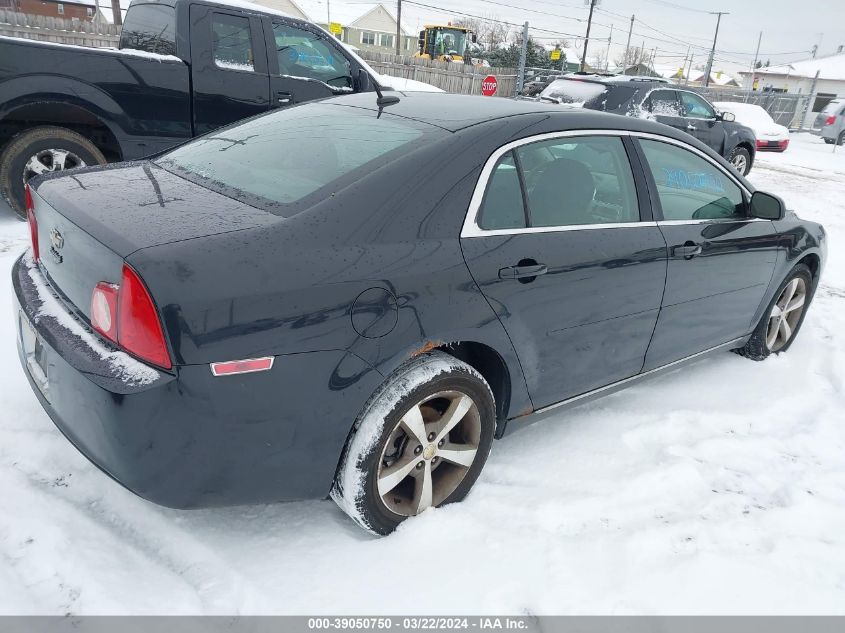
790 28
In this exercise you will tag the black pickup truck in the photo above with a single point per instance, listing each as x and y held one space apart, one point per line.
183 68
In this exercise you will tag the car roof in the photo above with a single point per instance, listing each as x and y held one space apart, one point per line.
456 112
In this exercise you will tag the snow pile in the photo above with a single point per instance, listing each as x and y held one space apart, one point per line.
718 488
131 371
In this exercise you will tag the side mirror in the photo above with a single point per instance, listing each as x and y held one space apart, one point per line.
728 117
767 206
363 81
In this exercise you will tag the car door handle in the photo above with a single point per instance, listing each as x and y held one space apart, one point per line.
690 126
284 98
520 272
687 251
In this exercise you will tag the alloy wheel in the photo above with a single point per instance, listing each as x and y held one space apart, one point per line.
49 160
739 162
429 452
785 314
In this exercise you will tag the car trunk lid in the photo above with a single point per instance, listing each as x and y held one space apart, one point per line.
89 222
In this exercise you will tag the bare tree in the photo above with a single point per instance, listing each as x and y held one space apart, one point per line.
633 56
490 32
600 59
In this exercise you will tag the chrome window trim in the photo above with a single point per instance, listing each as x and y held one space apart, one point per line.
470 226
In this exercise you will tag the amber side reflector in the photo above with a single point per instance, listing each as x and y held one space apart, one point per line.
246 366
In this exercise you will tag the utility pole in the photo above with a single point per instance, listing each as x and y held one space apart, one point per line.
754 64
628 46
398 27
523 55
684 65
117 16
587 38
689 69
607 57
328 13
718 15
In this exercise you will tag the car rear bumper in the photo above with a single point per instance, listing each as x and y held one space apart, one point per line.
187 438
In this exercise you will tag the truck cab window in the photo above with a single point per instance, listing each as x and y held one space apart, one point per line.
150 28
232 42
303 53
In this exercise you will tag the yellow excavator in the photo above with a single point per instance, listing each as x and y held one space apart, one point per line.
445 43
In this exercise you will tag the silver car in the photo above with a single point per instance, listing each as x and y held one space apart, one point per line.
830 122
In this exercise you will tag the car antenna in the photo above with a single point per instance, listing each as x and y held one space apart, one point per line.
383 101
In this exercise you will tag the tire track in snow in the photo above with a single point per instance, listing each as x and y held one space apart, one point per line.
217 588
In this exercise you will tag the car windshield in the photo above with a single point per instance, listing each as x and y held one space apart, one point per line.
450 42
289 160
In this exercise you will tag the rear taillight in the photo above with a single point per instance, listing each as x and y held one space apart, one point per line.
126 315
104 310
33 223
138 327
762 143
830 120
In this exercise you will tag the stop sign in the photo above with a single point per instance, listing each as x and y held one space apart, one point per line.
489 85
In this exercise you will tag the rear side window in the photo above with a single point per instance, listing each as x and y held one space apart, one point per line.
690 187
664 102
231 42
566 182
150 28
503 207
291 159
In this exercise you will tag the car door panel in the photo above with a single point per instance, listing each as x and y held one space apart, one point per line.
229 67
718 268
579 302
587 321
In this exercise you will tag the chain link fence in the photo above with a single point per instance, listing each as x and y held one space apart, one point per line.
786 109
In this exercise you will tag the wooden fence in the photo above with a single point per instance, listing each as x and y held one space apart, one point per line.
47 29
449 76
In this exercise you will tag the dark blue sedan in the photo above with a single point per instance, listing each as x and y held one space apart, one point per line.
352 300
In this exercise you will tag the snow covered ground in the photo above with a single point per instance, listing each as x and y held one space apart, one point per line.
718 488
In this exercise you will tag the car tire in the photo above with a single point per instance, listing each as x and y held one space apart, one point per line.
740 158
398 460
37 151
829 141
770 336
841 139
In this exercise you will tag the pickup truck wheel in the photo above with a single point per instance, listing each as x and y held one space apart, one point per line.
38 151
741 160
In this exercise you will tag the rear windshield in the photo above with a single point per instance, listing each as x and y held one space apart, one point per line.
833 107
589 94
150 28
291 159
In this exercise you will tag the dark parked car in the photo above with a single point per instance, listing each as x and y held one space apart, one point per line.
682 109
235 322
184 68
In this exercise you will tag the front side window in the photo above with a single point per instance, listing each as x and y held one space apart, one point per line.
150 28
302 53
695 107
232 42
292 158
562 182
690 187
